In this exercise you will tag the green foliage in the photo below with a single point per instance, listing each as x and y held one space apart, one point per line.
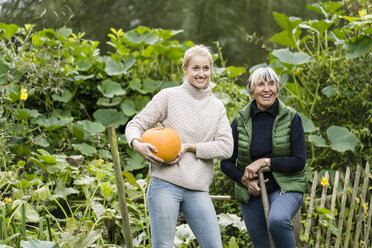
58 94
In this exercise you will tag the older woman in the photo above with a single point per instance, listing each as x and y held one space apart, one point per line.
201 122
268 133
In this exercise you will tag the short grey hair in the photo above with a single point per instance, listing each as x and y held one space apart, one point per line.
265 73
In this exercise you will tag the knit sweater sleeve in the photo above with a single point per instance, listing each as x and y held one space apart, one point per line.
222 145
154 112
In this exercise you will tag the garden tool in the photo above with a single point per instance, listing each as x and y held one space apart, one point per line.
265 199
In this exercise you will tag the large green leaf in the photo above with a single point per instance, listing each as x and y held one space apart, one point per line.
110 117
135 39
307 124
135 84
85 240
40 194
113 67
329 91
341 139
283 38
141 102
128 107
53 123
65 97
286 23
10 30
64 32
25 114
359 48
91 127
31 214
84 65
317 140
149 85
85 149
38 244
110 89
175 52
106 189
286 56
322 26
62 191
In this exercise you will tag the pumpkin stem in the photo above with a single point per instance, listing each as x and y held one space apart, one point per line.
159 126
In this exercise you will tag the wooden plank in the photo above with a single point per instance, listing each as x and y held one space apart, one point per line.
311 207
367 235
322 203
361 215
120 188
333 205
342 207
297 227
352 207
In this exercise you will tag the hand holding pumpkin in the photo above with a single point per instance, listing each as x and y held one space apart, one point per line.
146 150
184 148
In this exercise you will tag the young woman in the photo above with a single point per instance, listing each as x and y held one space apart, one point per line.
201 122
268 133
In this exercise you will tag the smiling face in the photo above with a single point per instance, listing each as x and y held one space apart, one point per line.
265 93
198 71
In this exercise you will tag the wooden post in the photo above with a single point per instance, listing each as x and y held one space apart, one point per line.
265 200
120 186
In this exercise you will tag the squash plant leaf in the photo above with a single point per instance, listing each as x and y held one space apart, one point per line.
113 67
317 141
85 149
110 89
329 91
25 114
110 117
53 123
65 97
359 48
286 23
10 30
128 107
62 191
341 139
288 57
31 214
307 124
91 127
38 244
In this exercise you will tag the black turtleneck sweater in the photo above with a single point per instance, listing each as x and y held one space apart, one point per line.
261 146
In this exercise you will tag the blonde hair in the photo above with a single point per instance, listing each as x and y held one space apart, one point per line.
267 74
197 50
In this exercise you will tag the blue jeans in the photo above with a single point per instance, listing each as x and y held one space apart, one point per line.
164 202
283 207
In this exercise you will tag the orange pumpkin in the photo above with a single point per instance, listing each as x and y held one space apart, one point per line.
166 140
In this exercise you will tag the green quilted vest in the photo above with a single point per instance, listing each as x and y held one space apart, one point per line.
281 148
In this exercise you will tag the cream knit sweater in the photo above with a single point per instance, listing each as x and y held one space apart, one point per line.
200 119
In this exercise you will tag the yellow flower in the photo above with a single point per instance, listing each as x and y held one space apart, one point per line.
324 182
7 200
297 71
362 12
24 94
